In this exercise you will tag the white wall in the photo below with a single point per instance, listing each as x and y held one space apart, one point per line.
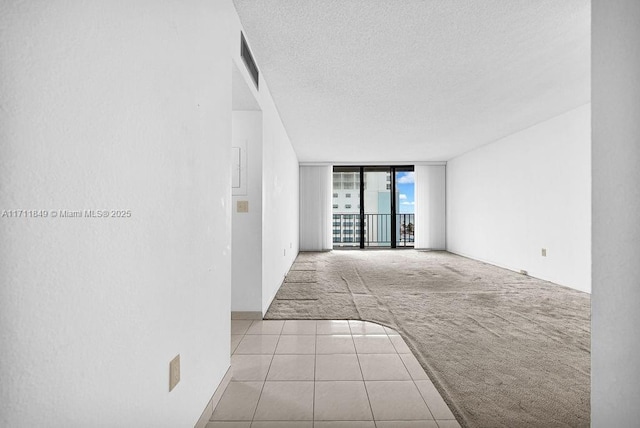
280 202
280 188
531 190
615 339
246 290
315 208
430 207
114 105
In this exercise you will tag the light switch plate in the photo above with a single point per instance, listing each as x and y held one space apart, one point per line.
174 372
242 206
544 252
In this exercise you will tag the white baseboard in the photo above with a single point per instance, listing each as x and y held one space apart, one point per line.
215 399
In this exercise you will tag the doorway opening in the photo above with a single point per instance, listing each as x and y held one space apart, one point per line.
373 206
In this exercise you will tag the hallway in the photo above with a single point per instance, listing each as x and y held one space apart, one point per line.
161 164
320 374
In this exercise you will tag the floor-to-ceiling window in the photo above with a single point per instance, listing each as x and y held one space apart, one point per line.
405 206
373 206
346 206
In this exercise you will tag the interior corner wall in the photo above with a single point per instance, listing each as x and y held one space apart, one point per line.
316 208
280 201
280 184
246 290
124 107
508 200
430 207
615 315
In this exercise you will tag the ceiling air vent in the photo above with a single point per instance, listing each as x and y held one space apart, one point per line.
245 53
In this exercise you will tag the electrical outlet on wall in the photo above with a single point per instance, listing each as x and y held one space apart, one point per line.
544 252
174 372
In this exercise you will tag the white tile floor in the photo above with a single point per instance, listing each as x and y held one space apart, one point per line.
326 374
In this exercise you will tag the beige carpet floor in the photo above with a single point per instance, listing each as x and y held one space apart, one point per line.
503 349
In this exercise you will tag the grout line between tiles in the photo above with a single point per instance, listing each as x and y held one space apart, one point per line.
416 387
363 382
315 381
315 362
265 378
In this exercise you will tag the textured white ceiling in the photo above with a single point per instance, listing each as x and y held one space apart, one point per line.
416 80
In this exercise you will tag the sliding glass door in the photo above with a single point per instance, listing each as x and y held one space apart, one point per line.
377 206
346 206
372 206
403 183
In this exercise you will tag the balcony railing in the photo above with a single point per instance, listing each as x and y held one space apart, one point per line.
377 230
